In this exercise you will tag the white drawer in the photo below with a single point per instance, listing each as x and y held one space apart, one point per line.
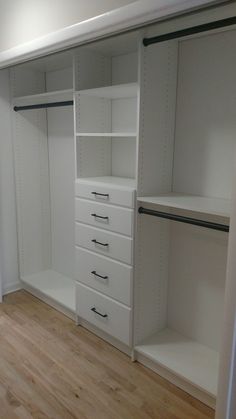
113 318
108 244
104 275
104 216
104 193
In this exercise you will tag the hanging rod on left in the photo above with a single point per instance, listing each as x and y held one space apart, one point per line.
44 105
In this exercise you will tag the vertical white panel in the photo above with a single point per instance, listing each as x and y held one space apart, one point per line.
32 190
62 175
8 234
151 279
157 117
158 74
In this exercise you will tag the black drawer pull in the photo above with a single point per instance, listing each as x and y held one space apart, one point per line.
97 312
97 242
99 276
99 216
100 194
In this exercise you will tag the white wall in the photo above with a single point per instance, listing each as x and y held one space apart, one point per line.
23 20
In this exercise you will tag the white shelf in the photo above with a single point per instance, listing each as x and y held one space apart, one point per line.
54 285
110 180
217 207
106 134
113 92
57 96
195 363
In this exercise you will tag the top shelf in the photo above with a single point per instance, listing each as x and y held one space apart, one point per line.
120 91
216 207
47 97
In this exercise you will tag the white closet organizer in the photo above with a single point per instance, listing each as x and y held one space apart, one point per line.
100 125
185 173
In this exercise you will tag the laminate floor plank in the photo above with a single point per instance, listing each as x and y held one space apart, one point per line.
51 368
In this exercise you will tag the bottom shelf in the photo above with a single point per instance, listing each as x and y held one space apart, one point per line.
53 285
188 359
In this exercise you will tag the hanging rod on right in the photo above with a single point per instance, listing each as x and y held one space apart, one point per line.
183 219
217 24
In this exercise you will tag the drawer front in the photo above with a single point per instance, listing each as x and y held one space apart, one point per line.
104 275
113 318
108 217
105 194
108 244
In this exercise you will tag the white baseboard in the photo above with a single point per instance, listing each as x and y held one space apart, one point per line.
7 289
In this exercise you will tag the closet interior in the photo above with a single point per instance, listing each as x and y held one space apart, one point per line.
128 131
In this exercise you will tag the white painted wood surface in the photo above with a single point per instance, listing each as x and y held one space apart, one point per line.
190 360
118 320
127 90
57 96
119 247
121 191
135 14
119 220
117 285
197 204
54 285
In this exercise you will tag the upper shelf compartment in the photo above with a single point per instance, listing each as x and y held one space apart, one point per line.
59 96
107 111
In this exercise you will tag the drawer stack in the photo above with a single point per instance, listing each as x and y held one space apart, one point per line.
104 229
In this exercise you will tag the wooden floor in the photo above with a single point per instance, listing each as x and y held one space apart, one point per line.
50 368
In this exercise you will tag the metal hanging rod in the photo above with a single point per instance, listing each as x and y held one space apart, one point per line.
43 105
190 31
182 219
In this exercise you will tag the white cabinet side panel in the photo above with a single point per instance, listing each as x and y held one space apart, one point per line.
32 190
158 74
151 281
157 117
205 118
62 175
8 231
